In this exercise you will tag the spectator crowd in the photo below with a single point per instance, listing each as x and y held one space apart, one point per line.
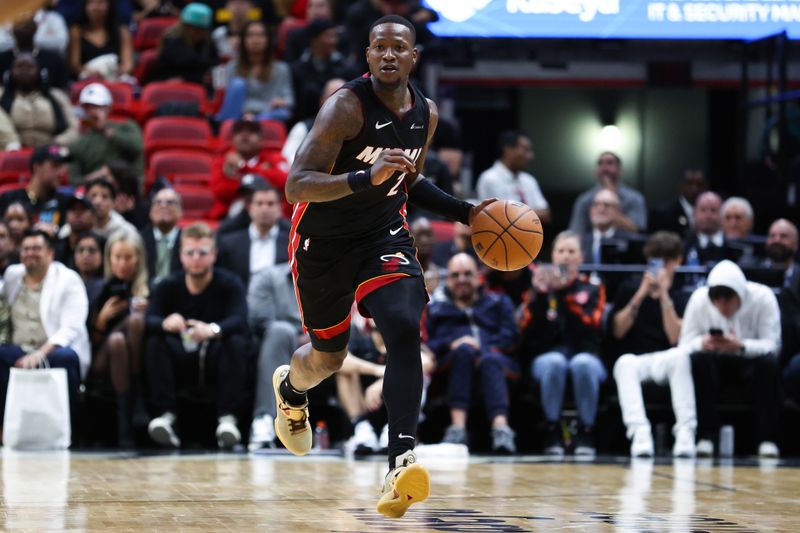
144 248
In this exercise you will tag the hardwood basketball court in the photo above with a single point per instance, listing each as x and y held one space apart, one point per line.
237 492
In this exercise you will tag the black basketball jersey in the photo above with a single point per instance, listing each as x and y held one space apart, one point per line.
377 209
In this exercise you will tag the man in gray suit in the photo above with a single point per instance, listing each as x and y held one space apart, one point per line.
275 317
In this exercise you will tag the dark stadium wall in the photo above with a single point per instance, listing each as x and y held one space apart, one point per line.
661 130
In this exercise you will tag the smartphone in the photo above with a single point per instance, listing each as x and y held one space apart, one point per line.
654 265
121 290
715 332
563 272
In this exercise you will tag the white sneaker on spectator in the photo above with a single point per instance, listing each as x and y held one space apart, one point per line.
684 443
383 440
768 449
262 433
364 440
642 442
161 430
705 448
227 433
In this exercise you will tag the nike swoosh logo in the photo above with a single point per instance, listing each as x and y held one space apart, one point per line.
378 125
395 231
417 127
401 436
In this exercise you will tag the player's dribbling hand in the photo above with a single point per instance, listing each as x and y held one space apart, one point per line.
478 208
389 162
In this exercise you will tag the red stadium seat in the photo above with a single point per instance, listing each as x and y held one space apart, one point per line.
185 178
274 134
145 66
157 93
167 163
14 178
16 161
197 200
9 187
149 32
176 132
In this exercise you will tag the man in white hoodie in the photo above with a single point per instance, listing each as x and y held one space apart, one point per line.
732 327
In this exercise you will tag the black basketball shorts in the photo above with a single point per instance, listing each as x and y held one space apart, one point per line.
329 274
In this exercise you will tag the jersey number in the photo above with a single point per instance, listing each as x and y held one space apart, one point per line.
393 190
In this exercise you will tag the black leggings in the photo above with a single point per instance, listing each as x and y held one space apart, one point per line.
397 311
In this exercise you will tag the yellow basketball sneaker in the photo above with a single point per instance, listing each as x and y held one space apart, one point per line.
405 484
291 423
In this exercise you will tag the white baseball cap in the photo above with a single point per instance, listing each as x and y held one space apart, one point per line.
96 94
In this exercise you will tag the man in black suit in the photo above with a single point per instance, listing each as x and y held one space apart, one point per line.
781 250
780 255
706 244
162 236
264 243
678 216
604 212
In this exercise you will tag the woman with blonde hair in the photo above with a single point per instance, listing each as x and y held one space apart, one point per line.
117 325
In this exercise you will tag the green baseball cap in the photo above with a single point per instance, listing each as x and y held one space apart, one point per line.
196 14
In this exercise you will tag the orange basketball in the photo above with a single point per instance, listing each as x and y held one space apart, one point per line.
507 235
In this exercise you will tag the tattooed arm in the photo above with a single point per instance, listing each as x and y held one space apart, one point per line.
340 119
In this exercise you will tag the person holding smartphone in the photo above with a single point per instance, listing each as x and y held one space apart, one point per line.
646 324
732 328
117 326
560 328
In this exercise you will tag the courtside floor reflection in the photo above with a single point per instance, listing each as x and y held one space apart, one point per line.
237 492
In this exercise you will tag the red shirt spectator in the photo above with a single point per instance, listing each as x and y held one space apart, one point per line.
246 157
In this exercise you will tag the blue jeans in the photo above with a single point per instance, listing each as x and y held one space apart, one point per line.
494 369
587 372
59 358
791 378
232 104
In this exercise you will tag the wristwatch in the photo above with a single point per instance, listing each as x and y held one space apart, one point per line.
215 329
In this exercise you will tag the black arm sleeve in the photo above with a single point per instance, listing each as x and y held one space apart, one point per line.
423 193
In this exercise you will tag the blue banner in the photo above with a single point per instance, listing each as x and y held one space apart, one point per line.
616 19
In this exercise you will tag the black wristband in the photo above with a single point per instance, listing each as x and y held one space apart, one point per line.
359 180
428 196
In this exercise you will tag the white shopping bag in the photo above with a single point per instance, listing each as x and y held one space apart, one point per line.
37 410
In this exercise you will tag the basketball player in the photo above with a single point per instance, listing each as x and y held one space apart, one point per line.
350 240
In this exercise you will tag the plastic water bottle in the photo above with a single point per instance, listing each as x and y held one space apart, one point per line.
322 440
726 441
